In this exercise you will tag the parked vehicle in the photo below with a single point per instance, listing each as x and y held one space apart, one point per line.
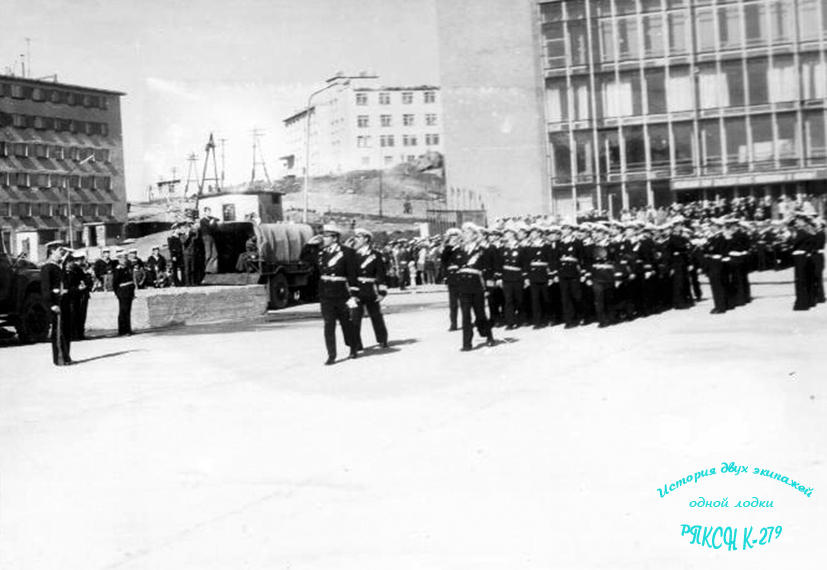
21 303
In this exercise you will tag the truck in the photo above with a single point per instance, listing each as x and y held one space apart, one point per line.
282 258
21 303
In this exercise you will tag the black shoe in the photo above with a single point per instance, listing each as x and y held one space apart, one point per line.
717 312
330 360
465 349
452 328
491 342
384 344
354 354
570 325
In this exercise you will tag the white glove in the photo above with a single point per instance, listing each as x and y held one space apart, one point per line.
352 303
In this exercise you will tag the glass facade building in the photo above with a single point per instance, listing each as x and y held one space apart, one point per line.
651 101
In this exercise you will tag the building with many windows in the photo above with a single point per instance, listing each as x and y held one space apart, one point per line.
357 124
650 101
61 165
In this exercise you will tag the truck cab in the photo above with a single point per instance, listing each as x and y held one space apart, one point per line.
21 303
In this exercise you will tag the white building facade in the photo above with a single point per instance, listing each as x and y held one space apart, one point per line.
357 124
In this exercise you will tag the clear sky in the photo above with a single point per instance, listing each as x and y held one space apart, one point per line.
228 66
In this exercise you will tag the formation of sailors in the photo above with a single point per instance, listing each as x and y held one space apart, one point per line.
610 271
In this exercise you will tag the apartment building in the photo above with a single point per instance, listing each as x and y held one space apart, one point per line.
61 165
355 123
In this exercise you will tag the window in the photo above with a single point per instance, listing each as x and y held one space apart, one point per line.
578 43
607 45
808 21
56 152
583 153
408 140
815 144
388 160
41 151
560 157
736 144
105 183
762 140
711 87
755 23
782 80
635 148
4 148
676 22
228 212
627 38
705 26
683 147
729 26
21 150
431 119
432 139
104 209
552 12
384 99
386 140
430 97
58 181
408 120
5 207
656 90
40 180
18 121
812 77
385 120
787 144
757 77
556 101
653 35
22 179
609 151
555 44
781 20
101 154
24 210
625 6
361 98
734 72
407 97
363 142
581 99
362 121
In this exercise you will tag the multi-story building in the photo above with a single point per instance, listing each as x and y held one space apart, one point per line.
61 165
357 124
650 101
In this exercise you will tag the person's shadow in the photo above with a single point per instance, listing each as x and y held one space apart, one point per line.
393 346
108 355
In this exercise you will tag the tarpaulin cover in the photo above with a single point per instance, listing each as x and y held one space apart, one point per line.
282 242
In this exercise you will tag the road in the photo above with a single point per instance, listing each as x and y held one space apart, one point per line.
232 446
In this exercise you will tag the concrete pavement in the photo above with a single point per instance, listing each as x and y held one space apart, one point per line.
231 446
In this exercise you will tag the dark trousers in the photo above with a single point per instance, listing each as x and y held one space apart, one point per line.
513 301
540 302
802 286
125 312
681 298
603 299
80 306
336 310
453 304
818 265
177 272
473 302
189 270
571 296
495 305
696 283
380 331
61 335
739 282
717 282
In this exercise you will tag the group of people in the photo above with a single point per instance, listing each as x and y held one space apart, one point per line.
67 280
542 274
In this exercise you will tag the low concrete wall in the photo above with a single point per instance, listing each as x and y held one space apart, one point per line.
159 308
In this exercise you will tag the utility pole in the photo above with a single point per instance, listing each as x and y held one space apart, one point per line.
257 154
209 150
28 56
192 173
222 141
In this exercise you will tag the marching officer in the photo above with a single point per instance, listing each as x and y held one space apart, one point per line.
474 267
716 249
370 274
123 281
54 288
338 288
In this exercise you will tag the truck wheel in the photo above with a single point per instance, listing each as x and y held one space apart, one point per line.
279 291
34 320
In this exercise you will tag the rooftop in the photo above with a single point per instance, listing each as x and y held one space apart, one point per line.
52 84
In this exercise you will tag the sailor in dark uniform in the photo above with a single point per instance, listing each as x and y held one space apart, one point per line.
804 244
716 249
103 269
512 271
55 291
80 287
538 256
474 269
571 260
370 274
449 266
338 288
123 282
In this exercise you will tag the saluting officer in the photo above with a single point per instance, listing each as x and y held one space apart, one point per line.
55 291
337 289
123 281
370 274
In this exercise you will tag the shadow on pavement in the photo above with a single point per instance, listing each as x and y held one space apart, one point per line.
108 355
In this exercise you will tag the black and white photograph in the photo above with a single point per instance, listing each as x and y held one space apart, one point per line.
413 284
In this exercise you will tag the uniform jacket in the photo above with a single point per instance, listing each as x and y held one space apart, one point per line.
513 266
337 273
370 273
51 279
123 281
572 253
475 268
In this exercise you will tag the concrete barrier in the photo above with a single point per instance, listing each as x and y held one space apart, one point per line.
159 308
